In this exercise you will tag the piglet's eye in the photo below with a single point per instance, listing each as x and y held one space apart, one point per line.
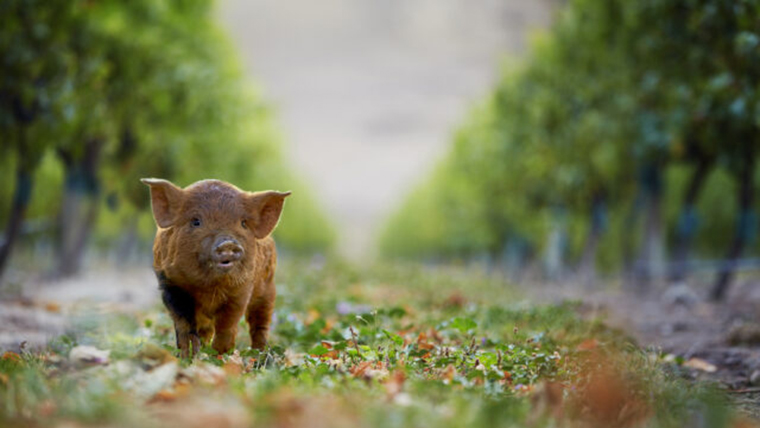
244 224
195 222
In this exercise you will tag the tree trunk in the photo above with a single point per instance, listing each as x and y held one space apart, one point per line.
21 196
126 249
687 224
744 225
24 116
651 263
628 244
79 209
587 265
554 256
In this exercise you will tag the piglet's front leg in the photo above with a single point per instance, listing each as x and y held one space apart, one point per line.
181 306
226 326
188 342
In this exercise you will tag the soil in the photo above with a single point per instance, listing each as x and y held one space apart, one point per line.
679 320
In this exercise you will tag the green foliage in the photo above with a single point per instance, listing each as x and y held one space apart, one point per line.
616 95
406 355
96 95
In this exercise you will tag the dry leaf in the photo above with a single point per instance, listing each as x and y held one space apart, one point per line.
311 316
88 355
12 357
423 344
367 371
395 383
203 373
153 355
588 345
700 364
53 307
293 358
448 373
233 369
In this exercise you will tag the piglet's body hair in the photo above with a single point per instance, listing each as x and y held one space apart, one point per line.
215 260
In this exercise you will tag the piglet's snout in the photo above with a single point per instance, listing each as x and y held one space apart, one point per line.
226 251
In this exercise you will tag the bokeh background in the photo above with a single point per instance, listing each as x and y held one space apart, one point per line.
558 141
368 92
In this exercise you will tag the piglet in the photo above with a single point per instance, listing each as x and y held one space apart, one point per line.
215 260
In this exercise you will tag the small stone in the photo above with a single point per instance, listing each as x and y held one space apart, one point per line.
88 355
679 294
754 378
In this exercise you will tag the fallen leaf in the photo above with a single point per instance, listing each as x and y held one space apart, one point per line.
700 364
588 345
455 300
206 374
163 396
329 323
311 316
423 344
88 355
395 383
12 357
153 355
448 373
233 367
53 307
293 358
148 383
367 371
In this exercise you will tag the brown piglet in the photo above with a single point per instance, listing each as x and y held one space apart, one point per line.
215 260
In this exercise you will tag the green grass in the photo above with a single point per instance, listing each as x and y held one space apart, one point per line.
389 346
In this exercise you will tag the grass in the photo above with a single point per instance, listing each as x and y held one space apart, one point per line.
390 346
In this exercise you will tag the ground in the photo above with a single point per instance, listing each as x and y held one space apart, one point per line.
383 346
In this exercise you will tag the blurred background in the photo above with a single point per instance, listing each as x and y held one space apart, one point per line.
368 92
547 140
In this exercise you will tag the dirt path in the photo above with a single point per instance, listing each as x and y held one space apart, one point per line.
369 91
681 322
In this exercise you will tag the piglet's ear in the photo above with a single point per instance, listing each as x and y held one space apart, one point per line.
166 199
265 209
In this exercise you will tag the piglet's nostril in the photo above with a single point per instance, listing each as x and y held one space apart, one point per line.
228 250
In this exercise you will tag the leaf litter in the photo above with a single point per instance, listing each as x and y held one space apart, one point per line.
417 361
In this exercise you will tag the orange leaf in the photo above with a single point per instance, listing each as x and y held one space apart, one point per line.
588 345
12 357
311 316
53 307
449 372
395 383
163 396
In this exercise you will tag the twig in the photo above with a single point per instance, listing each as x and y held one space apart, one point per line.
745 390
